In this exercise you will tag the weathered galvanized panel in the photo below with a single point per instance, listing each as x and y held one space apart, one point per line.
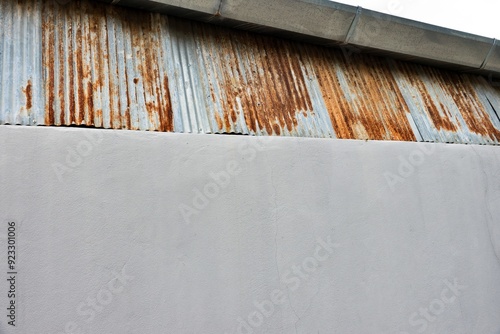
111 67
361 94
230 81
238 82
448 107
21 96
104 67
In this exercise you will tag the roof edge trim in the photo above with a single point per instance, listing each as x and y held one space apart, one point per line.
353 25
485 62
331 23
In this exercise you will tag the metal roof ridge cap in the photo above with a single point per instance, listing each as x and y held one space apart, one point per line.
353 25
487 58
356 18
423 25
469 38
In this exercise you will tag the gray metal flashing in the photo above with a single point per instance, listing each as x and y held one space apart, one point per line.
353 26
323 19
205 10
331 23
492 64
485 62
411 38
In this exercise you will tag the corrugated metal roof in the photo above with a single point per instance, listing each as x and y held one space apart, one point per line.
449 107
21 89
105 67
112 67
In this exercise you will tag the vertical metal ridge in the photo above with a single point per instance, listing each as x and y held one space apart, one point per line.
20 86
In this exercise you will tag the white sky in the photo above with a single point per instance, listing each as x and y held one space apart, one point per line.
480 17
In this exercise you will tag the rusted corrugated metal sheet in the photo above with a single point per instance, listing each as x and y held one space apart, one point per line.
254 84
104 66
449 107
21 97
112 67
361 96
238 82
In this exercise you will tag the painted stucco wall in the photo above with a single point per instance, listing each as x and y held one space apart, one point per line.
133 232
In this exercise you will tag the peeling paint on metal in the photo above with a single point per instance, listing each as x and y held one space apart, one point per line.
92 64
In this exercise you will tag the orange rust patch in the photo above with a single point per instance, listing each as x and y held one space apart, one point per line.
440 115
460 89
219 121
84 73
70 79
48 59
166 116
467 101
80 76
29 95
258 75
62 85
366 102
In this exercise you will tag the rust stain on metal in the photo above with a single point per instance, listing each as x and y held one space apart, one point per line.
28 93
454 87
260 76
80 75
166 116
440 115
465 97
71 77
106 66
48 42
62 64
85 62
365 103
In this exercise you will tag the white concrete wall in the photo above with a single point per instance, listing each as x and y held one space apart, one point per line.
301 235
